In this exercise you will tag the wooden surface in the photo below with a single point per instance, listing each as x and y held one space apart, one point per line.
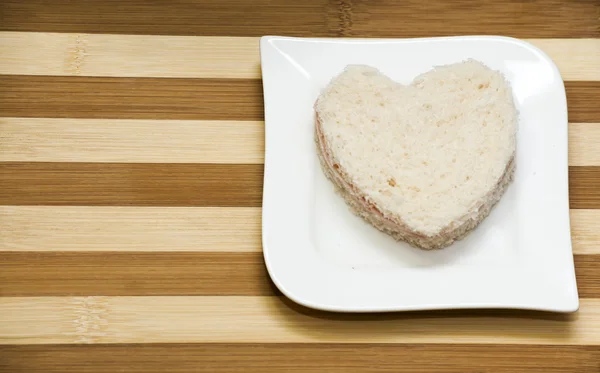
131 152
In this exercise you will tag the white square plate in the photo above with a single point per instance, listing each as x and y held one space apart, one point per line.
321 255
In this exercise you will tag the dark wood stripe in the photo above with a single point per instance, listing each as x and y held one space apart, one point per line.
124 184
517 18
382 18
583 100
587 268
169 98
168 273
125 273
265 358
171 17
584 187
178 184
130 98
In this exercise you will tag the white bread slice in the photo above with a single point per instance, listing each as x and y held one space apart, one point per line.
424 163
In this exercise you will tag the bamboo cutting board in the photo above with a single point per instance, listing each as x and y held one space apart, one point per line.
131 152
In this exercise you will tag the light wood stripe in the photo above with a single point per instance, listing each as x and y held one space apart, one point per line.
34 53
142 229
189 229
46 320
584 140
131 184
585 231
520 18
138 141
300 358
178 184
177 141
33 274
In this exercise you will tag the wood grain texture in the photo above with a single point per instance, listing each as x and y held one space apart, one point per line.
154 141
585 231
179 17
115 274
36 53
126 184
584 187
509 17
582 101
33 274
519 18
62 320
299 358
587 269
174 229
130 98
169 98
178 141
154 229
583 144
179 184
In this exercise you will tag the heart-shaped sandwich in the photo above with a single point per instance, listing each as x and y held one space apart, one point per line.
426 162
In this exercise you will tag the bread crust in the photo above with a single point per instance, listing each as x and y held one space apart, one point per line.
393 225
